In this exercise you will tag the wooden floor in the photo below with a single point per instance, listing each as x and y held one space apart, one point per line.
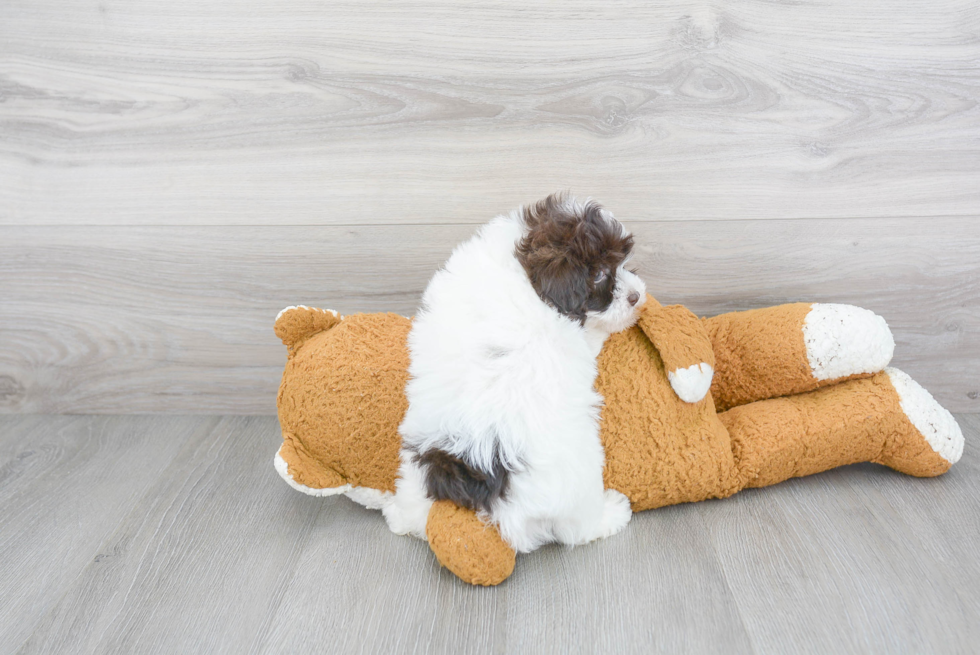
125 534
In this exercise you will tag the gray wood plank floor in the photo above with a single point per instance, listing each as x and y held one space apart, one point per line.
175 535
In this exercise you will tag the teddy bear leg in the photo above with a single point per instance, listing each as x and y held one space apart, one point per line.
928 439
470 548
790 349
887 419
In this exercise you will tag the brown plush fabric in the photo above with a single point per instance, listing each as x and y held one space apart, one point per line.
343 396
854 421
467 546
341 400
305 468
659 449
294 326
677 334
904 448
761 354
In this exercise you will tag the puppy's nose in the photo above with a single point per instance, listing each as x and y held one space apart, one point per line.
633 298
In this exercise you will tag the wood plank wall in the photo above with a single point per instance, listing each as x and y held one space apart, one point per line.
174 173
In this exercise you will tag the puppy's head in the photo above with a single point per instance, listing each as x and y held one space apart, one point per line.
573 254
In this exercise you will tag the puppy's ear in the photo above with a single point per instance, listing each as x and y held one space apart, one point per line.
553 253
563 285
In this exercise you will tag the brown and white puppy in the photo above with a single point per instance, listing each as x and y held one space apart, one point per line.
503 416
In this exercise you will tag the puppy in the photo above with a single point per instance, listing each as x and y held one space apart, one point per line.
502 416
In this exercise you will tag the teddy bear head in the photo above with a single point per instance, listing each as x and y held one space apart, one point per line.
341 401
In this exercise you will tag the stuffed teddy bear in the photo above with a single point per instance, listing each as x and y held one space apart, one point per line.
794 390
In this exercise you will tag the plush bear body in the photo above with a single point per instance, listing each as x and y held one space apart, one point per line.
803 388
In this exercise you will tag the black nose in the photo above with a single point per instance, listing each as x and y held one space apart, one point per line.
633 298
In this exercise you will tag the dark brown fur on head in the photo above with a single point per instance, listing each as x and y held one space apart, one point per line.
565 248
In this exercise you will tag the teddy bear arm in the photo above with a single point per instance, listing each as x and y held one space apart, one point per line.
793 348
473 550
685 348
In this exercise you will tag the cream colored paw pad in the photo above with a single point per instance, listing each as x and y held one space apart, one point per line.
843 340
932 420
691 384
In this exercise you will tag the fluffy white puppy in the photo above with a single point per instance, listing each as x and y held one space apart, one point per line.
503 417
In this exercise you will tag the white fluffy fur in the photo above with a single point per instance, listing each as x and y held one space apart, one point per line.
409 509
495 367
691 383
370 498
932 420
842 340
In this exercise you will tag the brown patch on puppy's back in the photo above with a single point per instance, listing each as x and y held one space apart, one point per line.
448 477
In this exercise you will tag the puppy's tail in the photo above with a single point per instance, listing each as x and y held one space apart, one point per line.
294 325
448 477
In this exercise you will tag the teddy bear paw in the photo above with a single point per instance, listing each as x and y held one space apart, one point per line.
691 384
933 421
843 340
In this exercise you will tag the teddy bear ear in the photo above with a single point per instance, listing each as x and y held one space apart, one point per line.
296 324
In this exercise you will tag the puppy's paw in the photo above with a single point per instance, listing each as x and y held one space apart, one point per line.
691 384
407 517
615 515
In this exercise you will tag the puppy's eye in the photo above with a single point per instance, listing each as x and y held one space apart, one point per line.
599 277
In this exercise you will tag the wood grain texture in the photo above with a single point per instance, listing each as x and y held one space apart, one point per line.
214 553
852 547
65 484
361 589
202 561
179 319
360 113
671 598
